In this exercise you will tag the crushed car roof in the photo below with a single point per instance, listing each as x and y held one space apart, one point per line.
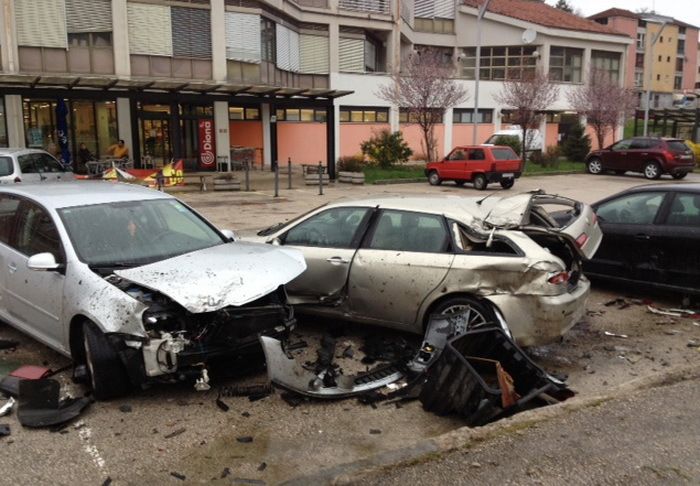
68 194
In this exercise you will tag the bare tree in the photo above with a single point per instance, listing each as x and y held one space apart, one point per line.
603 102
527 98
425 89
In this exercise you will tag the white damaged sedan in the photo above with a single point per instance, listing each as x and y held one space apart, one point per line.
134 285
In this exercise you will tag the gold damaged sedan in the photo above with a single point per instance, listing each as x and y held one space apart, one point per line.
395 261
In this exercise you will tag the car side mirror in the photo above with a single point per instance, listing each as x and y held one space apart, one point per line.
43 262
229 234
275 242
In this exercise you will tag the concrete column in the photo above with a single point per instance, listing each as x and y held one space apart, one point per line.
586 65
394 125
221 127
543 133
543 61
447 119
120 39
267 144
8 42
15 121
124 123
218 41
334 46
336 128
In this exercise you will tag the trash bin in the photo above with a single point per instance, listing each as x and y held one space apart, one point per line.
483 375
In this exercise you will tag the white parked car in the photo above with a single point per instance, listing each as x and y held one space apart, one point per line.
395 261
535 141
133 283
30 165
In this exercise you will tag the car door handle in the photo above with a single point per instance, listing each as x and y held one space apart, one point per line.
336 260
641 236
12 267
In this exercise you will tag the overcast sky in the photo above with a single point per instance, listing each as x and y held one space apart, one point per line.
685 10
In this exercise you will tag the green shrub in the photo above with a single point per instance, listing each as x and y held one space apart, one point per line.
577 144
351 163
386 149
509 141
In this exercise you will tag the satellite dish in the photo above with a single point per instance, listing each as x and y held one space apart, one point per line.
529 36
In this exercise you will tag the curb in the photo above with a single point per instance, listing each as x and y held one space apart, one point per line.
428 449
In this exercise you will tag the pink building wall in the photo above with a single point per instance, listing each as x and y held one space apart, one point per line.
304 142
551 136
353 134
627 26
690 67
462 133
609 138
247 134
413 135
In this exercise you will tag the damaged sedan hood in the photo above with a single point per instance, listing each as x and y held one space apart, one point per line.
231 274
506 212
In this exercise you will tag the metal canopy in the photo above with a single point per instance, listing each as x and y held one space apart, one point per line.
164 85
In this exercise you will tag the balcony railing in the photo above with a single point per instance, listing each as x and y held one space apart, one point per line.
371 6
312 3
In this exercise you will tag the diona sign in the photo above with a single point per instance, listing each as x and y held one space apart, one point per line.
207 157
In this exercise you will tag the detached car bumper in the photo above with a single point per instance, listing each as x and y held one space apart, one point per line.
538 319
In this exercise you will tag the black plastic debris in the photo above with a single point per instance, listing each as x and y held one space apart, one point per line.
382 348
262 466
292 399
8 344
4 430
222 405
296 345
9 385
174 433
107 482
253 392
375 431
225 473
483 375
39 405
245 439
125 408
179 476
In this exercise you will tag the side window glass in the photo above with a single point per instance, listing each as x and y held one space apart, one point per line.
622 145
26 164
6 166
685 211
36 232
632 209
8 211
46 163
477 154
333 228
458 155
405 231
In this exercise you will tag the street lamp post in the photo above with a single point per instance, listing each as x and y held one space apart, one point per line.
477 73
664 21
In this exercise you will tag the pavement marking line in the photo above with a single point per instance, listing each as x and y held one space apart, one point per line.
85 434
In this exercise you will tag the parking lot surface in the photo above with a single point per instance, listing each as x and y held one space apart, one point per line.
168 433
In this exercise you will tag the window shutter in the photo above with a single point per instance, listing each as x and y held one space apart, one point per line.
150 30
89 16
191 32
242 36
352 55
287 48
424 9
41 23
445 9
313 53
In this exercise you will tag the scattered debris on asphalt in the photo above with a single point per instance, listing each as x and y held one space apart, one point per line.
179 476
253 392
6 408
613 334
262 466
245 439
125 408
8 344
39 404
4 430
221 404
174 433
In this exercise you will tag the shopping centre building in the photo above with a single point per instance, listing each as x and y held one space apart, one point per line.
290 79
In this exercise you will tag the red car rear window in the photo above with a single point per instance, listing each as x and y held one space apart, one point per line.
503 154
677 146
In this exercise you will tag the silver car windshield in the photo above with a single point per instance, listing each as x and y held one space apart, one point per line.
125 234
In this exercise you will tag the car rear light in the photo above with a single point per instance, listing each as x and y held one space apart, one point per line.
581 240
670 156
559 278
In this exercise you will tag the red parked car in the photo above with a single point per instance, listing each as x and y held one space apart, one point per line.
648 155
478 164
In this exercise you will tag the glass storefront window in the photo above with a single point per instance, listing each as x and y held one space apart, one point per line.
155 108
3 123
106 119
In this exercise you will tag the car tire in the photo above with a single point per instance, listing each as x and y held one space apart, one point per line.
459 183
507 183
107 375
480 182
434 178
481 314
652 170
594 166
679 175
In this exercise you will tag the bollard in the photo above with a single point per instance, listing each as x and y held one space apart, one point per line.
289 173
320 179
247 175
277 179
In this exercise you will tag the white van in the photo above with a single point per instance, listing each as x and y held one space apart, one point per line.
535 140
30 165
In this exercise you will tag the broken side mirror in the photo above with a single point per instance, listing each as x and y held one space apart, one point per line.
42 262
229 234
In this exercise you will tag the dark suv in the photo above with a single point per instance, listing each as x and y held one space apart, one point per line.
651 156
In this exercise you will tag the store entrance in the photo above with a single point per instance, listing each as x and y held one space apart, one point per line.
156 136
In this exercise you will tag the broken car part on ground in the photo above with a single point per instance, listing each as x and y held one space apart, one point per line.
479 373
